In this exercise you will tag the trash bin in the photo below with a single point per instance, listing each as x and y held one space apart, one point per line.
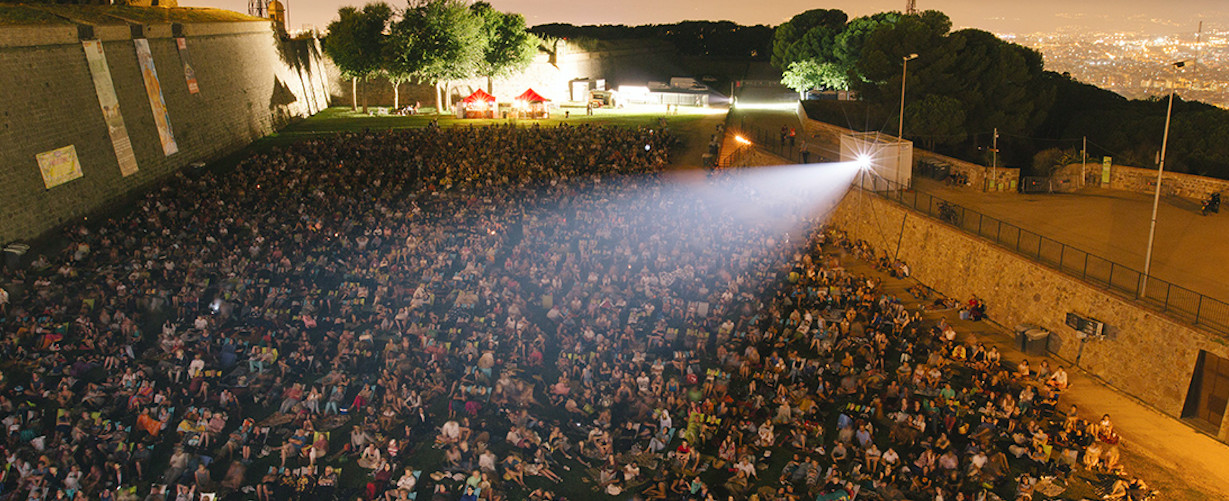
13 253
1034 341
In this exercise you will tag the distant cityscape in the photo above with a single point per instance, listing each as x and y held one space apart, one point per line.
1138 66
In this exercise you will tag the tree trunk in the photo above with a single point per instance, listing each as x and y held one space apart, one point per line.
396 95
364 96
447 96
490 85
354 94
439 98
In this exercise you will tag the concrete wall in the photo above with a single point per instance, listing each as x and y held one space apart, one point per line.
1146 355
250 83
628 62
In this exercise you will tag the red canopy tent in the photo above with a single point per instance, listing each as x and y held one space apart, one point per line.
480 104
530 96
532 105
479 96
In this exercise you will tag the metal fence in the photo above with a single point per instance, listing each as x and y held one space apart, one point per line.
1167 297
774 142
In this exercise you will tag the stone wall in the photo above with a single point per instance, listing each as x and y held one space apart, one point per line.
1004 179
1146 354
1136 179
250 82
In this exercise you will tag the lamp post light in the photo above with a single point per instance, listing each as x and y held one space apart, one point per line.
1156 198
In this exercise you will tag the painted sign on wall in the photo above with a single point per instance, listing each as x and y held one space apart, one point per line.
162 118
59 166
105 88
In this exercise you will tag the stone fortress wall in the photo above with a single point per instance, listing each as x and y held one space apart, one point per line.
1147 355
250 82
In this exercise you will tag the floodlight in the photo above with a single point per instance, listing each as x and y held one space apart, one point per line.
863 160
741 140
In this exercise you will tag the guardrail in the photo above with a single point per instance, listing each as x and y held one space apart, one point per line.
1175 300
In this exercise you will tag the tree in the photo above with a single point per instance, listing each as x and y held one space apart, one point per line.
1049 161
939 120
509 48
807 36
355 43
805 75
994 83
437 41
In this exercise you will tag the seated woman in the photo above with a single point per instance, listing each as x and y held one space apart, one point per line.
688 458
656 491
370 458
514 469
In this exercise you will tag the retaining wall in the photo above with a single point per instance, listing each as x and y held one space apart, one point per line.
250 83
1146 354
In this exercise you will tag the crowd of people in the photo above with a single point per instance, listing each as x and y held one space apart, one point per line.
498 313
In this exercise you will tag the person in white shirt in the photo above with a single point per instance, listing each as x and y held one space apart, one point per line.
1058 380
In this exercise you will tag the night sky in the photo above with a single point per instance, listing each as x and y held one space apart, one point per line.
1002 16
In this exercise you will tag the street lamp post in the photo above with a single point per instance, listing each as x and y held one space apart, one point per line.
900 126
1156 198
904 72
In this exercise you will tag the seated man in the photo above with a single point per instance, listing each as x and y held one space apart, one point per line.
1058 380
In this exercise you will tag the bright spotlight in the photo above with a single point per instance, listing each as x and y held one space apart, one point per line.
863 160
741 140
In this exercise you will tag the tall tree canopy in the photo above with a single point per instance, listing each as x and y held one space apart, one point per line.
508 47
967 83
439 41
807 37
355 41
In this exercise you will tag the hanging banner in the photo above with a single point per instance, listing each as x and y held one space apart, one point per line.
105 89
1106 164
59 166
189 74
162 119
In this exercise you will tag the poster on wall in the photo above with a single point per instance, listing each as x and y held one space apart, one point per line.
189 74
59 166
105 89
162 119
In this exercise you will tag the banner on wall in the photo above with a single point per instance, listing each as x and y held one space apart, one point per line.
105 88
59 166
162 119
189 74
1106 164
